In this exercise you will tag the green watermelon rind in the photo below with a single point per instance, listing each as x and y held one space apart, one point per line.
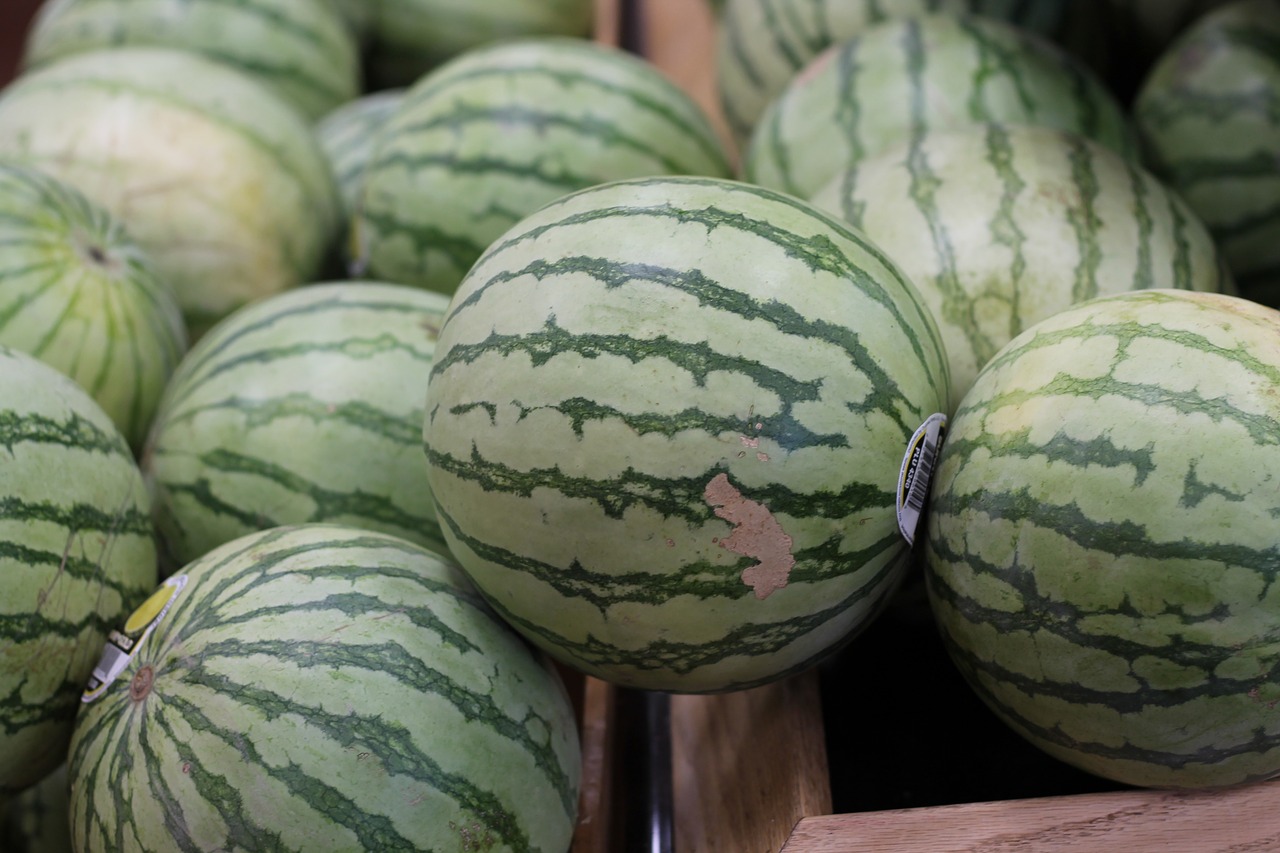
635 364
1100 556
78 551
303 407
320 687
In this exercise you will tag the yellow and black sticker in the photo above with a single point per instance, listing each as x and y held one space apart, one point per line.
123 645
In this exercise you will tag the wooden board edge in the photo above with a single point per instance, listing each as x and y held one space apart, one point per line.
748 765
594 832
607 27
1244 818
679 37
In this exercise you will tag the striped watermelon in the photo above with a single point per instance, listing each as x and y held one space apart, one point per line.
301 49
497 133
221 183
1001 227
762 45
347 135
1101 551
665 426
76 553
78 293
321 688
1209 118
303 407
938 71
37 820
408 38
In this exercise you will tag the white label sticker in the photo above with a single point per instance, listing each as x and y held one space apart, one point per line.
917 472
122 646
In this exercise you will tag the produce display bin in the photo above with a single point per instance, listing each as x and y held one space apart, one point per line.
880 749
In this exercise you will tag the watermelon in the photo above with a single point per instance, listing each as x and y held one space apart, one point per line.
938 71
222 184
78 293
347 135
305 406
761 45
665 429
408 38
77 551
495 134
37 820
1001 227
323 688
301 49
1209 118
1101 555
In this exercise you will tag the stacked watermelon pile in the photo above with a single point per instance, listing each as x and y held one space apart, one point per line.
368 366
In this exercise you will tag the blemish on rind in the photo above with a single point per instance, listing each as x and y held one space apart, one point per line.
756 533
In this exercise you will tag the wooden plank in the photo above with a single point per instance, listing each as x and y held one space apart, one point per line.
17 16
680 38
747 766
595 830
1236 820
608 21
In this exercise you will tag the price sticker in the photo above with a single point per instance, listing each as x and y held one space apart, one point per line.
917 473
122 646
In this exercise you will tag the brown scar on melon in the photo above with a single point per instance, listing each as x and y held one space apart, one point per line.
756 533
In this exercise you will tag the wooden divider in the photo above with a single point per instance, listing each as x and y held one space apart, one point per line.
1227 821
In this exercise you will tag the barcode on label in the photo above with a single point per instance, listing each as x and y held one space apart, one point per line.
917 473
114 659
922 477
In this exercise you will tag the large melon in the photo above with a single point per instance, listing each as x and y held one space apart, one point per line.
301 49
77 553
1001 227
221 183
303 407
902 77
666 424
1209 118
495 134
1101 551
78 293
321 688
348 136
761 45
